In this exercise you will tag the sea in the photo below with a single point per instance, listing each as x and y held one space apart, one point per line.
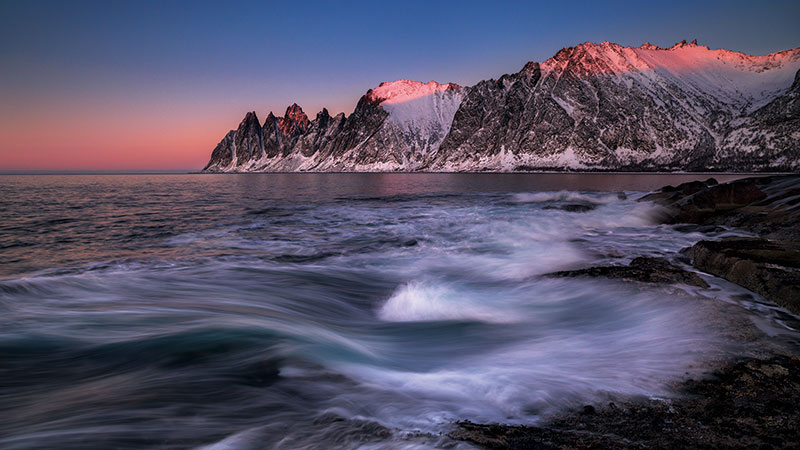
354 311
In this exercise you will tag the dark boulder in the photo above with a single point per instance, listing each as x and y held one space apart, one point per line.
769 206
573 207
768 268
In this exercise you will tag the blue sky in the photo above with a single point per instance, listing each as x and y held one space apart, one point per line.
138 66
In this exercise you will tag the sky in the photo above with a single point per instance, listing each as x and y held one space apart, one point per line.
154 85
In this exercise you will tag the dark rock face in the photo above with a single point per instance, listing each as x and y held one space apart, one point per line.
573 207
492 115
769 268
746 405
589 107
222 156
273 137
768 206
646 270
696 202
774 128
249 141
362 125
295 121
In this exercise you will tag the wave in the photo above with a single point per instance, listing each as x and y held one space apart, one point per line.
566 196
425 302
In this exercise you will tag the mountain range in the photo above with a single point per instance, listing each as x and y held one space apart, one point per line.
592 107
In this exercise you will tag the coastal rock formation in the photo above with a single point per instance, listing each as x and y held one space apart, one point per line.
767 206
769 268
589 107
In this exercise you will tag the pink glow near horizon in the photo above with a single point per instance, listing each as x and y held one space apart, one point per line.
134 136
121 143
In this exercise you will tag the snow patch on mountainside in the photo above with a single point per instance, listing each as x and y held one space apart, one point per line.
734 78
401 91
420 115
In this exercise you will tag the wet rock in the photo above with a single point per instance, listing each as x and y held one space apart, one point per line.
573 207
769 206
769 268
748 404
646 270
699 228
698 201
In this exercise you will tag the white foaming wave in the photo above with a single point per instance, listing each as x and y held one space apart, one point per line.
421 302
562 196
619 216
611 212
539 257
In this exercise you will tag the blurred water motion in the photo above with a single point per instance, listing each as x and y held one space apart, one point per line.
322 311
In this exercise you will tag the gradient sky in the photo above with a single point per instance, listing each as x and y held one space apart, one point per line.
142 85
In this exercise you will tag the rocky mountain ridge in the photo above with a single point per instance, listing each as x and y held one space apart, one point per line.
589 107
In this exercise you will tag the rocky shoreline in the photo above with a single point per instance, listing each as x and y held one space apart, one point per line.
768 263
748 403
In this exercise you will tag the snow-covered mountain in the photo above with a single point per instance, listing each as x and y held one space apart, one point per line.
589 107
396 126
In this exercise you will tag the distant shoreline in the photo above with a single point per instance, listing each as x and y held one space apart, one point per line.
544 172
548 172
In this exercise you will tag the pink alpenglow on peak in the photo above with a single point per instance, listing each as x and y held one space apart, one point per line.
745 81
649 46
391 92
295 121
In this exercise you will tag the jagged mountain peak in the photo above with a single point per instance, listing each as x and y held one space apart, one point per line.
250 118
294 110
589 47
295 120
683 44
649 46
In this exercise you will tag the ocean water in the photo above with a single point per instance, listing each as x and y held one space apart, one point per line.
333 310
